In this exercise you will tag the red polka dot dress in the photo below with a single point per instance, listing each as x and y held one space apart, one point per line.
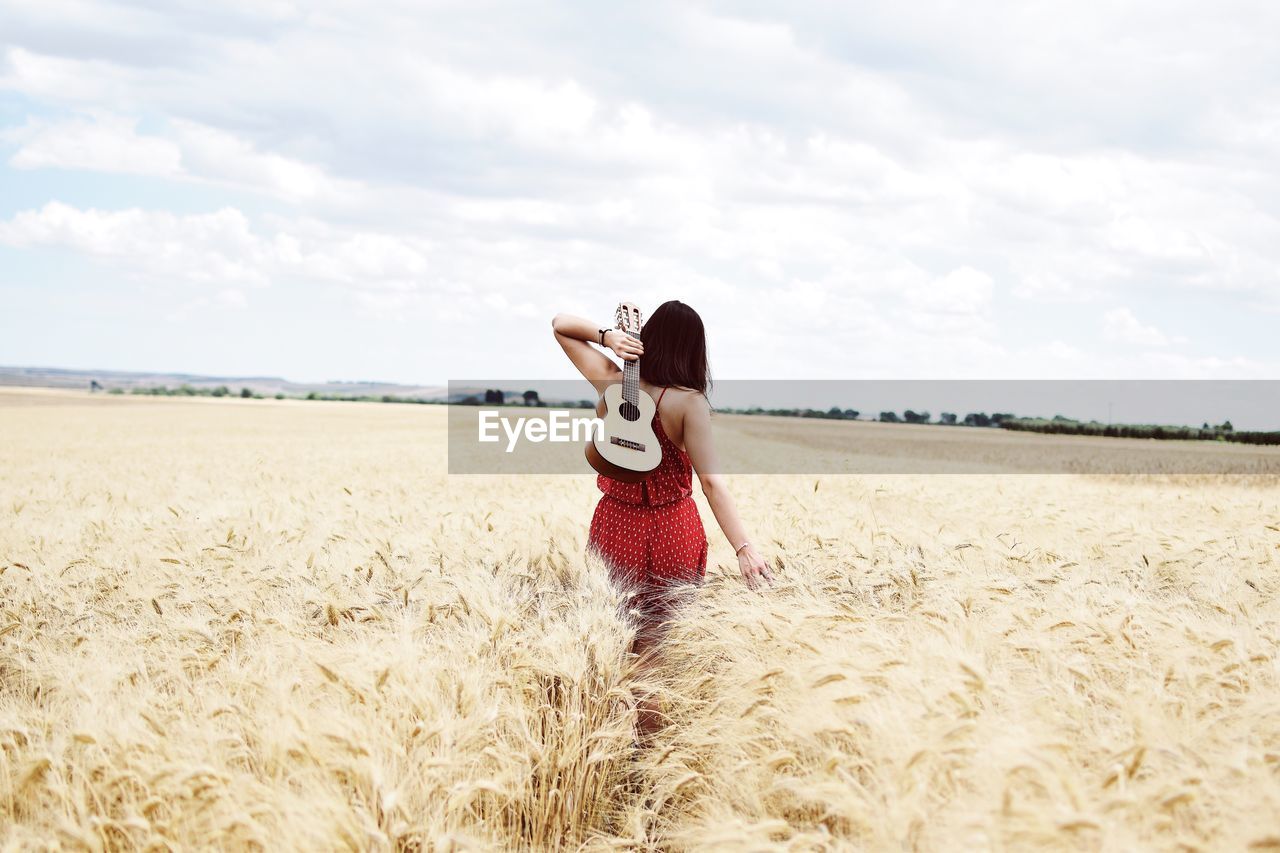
649 533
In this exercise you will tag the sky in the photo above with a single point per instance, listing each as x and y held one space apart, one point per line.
409 191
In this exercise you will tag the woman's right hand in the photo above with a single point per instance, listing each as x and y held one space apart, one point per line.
627 347
753 567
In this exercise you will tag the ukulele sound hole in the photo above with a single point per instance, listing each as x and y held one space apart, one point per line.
629 410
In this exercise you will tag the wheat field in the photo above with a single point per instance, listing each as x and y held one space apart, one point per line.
280 625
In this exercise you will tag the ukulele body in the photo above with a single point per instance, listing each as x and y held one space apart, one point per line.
629 450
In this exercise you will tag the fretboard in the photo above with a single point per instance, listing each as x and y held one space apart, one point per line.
631 378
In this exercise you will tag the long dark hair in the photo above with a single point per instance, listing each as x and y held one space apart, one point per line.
675 348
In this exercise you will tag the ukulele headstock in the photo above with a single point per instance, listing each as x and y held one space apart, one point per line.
629 318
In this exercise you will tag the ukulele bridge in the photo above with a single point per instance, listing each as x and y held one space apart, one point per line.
627 443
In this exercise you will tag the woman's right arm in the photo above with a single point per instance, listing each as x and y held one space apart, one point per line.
573 333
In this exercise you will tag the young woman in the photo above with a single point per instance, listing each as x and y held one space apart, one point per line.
650 534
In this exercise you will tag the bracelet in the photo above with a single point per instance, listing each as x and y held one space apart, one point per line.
602 333
740 547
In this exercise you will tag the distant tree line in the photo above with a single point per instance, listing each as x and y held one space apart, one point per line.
365 398
498 397
189 391
250 394
834 413
910 416
1059 425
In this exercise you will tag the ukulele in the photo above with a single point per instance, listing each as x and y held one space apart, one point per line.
628 450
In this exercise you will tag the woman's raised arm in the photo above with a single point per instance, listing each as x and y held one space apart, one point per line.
573 333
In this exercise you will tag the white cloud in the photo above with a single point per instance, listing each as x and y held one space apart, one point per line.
1119 325
222 247
220 156
961 291
214 247
232 297
103 144
534 112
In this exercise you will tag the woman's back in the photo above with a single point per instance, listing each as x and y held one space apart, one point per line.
672 409
672 480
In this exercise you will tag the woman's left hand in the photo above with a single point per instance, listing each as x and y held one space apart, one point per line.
753 567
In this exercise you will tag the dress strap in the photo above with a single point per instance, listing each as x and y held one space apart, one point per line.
659 403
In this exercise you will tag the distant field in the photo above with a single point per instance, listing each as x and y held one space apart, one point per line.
271 624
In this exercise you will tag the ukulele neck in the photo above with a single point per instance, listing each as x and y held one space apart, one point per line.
631 378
